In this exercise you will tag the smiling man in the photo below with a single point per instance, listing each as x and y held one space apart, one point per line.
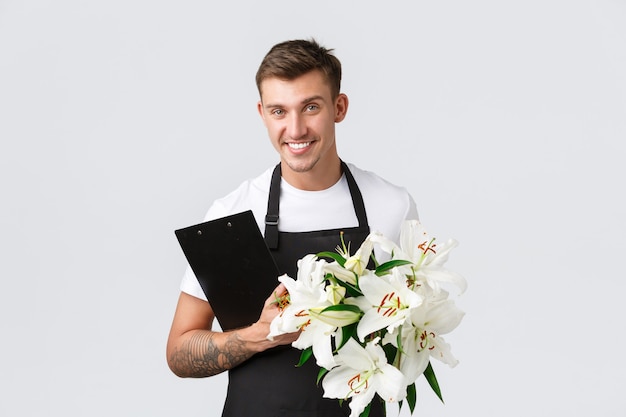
303 204
300 117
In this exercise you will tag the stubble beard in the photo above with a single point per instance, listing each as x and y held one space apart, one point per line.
302 163
302 166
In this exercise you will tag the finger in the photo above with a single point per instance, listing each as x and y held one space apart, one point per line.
275 293
279 297
280 289
278 292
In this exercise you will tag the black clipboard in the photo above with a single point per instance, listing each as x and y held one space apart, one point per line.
233 265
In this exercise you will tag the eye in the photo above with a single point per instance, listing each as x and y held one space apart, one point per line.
278 112
311 107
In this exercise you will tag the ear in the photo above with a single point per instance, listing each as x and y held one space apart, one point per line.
341 107
259 107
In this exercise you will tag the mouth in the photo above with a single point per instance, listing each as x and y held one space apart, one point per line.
298 145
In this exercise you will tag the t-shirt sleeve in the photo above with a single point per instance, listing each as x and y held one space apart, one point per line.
411 213
191 286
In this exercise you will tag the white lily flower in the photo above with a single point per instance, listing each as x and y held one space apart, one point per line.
386 302
363 372
307 299
422 338
358 262
354 265
295 317
335 293
336 317
427 256
341 273
407 305
305 292
386 245
318 335
311 272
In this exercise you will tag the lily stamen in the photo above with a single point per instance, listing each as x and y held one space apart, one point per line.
357 380
431 246
425 342
281 301
390 305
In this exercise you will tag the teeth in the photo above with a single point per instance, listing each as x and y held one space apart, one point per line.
299 145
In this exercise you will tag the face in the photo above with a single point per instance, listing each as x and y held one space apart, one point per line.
300 117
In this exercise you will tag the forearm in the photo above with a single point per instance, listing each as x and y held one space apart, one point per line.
195 351
203 353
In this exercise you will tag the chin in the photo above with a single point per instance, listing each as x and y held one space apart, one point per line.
300 166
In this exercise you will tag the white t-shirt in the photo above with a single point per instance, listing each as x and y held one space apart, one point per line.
386 206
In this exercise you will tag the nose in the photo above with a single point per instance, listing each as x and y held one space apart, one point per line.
296 126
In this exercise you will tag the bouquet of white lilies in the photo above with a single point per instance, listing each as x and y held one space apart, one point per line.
374 330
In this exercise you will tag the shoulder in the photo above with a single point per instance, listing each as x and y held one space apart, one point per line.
369 178
251 194
372 184
387 204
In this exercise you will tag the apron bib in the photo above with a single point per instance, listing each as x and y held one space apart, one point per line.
269 384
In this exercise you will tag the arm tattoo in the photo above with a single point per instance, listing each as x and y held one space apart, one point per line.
200 356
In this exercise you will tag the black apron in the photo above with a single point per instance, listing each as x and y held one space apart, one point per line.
269 384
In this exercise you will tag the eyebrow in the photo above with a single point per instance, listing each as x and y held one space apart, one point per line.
305 101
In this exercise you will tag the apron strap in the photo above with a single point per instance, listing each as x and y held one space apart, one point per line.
357 198
271 217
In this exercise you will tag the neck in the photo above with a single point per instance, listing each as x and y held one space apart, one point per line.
321 177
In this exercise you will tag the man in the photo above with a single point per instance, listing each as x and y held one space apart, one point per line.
315 196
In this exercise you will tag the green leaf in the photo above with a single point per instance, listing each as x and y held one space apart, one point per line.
320 374
342 307
335 256
390 352
429 373
373 260
366 411
399 340
305 355
382 269
411 397
346 333
351 290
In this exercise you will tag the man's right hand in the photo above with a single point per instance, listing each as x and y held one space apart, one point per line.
194 350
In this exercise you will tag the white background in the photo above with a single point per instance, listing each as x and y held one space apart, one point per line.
121 121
